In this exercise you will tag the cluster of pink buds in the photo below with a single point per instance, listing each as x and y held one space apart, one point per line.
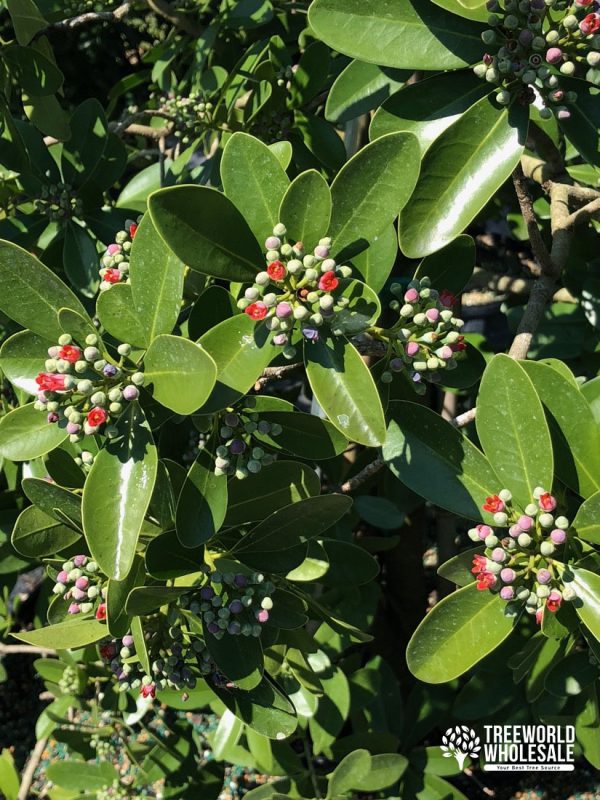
232 603
240 452
82 391
295 289
530 47
426 339
80 582
115 261
521 564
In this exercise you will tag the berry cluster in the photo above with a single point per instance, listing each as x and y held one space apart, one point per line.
234 604
115 261
529 50
59 202
239 454
190 115
116 791
80 582
522 565
83 389
295 288
425 340
69 681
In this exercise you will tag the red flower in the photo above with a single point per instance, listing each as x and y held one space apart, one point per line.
485 580
590 24
547 502
553 602
49 382
69 353
328 282
447 298
493 504
539 615
112 275
276 270
458 345
101 611
479 564
148 691
132 229
97 416
256 310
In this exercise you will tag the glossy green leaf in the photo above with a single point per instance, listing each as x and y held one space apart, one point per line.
570 676
82 152
26 18
359 88
78 776
457 633
26 434
206 231
428 107
47 115
587 587
118 316
344 388
297 523
461 171
409 34
349 773
117 618
22 358
156 275
362 311
303 435
36 74
36 534
451 267
283 151
370 190
67 635
10 779
479 12
254 180
587 520
214 305
144 600
241 350
53 499
181 372
582 126
575 433
117 493
333 708
167 558
202 503
458 568
265 709
277 485
80 259
239 658
512 429
375 263
348 564
436 461
306 209
31 294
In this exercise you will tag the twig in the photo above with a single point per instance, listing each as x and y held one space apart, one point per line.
361 477
182 21
9 649
526 204
584 214
83 19
274 374
29 771
146 130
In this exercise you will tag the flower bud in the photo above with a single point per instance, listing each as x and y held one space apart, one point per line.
138 378
507 593
547 548
544 576
491 540
546 520
500 518
508 575
558 536
524 539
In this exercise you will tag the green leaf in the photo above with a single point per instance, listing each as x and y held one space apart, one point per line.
239 658
156 281
26 434
296 524
36 534
31 294
370 190
206 231
428 107
458 568
37 75
376 262
47 115
303 435
587 520
22 358
461 171
408 34
436 461
117 618
283 151
26 19
254 180
451 267
344 388
582 126
265 708
277 485
146 599
457 633
135 193
478 13
575 433
202 504
53 715
167 558
80 776
333 708
81 260
117 493
348 564
241 350
512 429
214 305
182 372
587 587
226 735
348 773
117 313
9 775
306 209
571 675
359 88
69 635
361 312
89 135
54 500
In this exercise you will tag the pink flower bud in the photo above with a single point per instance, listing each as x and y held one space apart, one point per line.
280 339
262 616
445 352
73 428
412 348
82 583
73 609
283 310
113 249
432 314
273 243
508 575
411 296
62 577
77 594
507 593
484 531
557 536
544 576
514 531
80 561
131 392
524 522
554 55
498 555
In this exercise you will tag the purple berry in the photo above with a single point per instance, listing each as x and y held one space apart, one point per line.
396 365
526 37
213 627
109 370
237 447
207 592
52 417
241 581
310 334
236 607
544 576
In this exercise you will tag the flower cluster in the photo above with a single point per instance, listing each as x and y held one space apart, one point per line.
59 202
115 261
239 453
528 50
426 338
69 682
522 565
80 582
82 389
296 288
234 604
189 115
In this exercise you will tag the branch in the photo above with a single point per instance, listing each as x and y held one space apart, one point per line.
29 771
10 649
539 248
361 477
83 19
584 214
274 374
145 130
166 10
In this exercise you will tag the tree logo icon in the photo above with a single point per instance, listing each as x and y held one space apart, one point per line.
460 742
